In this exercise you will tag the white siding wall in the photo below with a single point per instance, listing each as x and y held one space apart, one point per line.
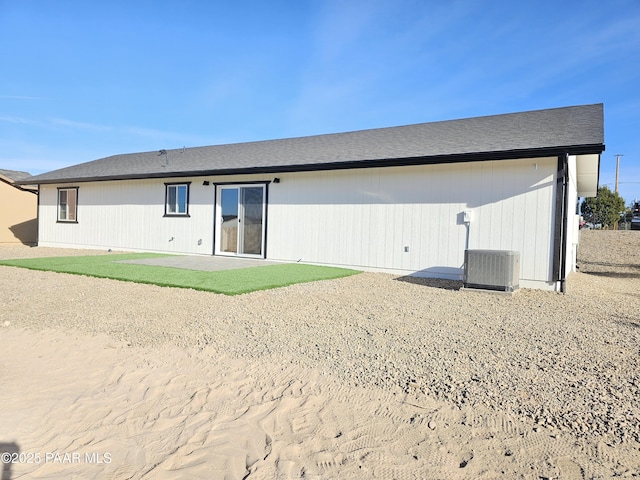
129 215
361 218
365 218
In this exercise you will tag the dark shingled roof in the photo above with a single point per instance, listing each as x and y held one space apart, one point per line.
14 175
573 130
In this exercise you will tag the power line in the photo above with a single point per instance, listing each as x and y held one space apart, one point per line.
611 183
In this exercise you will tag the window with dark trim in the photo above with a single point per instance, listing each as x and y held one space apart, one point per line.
68 204
176 199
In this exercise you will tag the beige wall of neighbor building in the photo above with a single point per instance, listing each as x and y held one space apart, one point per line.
18 213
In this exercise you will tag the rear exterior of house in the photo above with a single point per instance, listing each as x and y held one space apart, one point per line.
342 200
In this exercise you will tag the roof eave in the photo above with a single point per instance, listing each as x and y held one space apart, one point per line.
340 165
587 175
25 187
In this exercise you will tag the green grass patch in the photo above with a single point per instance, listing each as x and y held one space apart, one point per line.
229 282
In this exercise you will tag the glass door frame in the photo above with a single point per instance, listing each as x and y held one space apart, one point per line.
218 219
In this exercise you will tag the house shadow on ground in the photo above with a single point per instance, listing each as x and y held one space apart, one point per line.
10 452
432 282
428 279
610 269
627 321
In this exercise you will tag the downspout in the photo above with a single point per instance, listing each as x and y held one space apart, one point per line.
38 217
565 225
561 223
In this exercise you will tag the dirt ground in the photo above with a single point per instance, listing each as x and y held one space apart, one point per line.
369 376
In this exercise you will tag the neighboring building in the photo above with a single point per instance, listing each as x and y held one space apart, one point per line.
406 200
18 223
635 215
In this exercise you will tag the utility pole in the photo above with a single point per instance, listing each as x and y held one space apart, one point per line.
618 168
617 172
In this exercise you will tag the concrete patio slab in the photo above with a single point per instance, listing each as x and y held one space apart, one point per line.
206 263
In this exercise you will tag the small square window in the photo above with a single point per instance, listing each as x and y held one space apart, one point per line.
176 199
68 204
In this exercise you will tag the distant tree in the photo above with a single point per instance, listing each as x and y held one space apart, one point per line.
604 209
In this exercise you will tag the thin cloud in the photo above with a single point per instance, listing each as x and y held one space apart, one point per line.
165 137
80 125
133 131
20 120
19 97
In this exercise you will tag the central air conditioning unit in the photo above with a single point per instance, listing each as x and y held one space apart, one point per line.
492 270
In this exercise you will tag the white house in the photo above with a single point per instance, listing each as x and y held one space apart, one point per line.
407 200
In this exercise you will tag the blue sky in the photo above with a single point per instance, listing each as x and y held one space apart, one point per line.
83 80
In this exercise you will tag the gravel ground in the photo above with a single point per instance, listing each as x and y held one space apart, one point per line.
568 362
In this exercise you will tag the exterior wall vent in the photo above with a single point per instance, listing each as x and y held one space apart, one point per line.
492 270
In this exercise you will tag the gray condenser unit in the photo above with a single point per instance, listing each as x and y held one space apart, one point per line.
492 270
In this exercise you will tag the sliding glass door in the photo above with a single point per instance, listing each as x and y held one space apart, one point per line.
240 212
